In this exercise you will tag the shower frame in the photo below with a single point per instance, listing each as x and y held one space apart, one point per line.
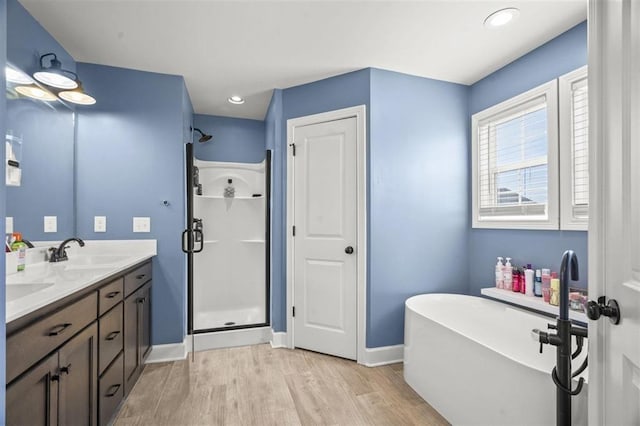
189 241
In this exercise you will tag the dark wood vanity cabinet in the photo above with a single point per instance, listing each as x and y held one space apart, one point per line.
67 363
61 389
137 345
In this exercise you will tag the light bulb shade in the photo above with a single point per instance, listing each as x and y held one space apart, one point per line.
16 76
55 78
54 75
35 92
77 97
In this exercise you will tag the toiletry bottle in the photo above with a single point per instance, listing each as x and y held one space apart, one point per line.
229 190
537 285
508 274
528 280
21 248
546 284
499 276
516 280
554 298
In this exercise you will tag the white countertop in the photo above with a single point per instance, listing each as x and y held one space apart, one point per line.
531 302
42 283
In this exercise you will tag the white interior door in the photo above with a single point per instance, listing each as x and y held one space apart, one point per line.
614 238
325 220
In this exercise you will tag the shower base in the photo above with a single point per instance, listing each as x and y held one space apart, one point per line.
228 318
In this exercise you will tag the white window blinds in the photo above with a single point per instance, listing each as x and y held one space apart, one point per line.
574 150
515 162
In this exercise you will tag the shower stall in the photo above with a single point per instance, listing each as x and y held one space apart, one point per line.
227 244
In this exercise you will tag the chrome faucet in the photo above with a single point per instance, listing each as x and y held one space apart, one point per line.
60 254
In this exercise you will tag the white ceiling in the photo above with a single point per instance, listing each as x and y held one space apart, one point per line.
250 47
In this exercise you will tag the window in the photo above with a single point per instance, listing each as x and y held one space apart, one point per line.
574 150
515 162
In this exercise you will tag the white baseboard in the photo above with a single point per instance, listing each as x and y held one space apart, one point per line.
231 338
384 355
278 339
166 353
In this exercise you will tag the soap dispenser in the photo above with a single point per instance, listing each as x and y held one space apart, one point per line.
499 273
508 274
229 190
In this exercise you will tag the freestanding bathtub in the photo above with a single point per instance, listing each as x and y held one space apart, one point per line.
475 362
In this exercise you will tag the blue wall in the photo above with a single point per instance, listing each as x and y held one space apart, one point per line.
130 147
234 139
418 183
3 287
273 136
48 133
338 92
565 53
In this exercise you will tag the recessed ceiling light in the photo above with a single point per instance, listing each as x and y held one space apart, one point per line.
16 76
501 17
236 100
36 93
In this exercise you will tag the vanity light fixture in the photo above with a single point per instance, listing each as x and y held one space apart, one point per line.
77 96
501 17
236 100
16 76
36 93
54 75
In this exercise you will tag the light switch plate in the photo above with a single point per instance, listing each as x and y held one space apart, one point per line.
99 224
8 225
141 224
51 224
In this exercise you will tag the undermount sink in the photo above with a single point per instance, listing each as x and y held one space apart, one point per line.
95 260
17 291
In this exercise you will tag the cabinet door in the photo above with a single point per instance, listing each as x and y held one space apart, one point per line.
33 398
78 367
144 322
131 356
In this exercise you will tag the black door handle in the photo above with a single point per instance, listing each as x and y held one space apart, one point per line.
348 250
57 330
185 244
112 335
597 309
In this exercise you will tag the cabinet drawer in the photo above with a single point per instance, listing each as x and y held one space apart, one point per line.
111 390
29 345
110 295
111 333
133 280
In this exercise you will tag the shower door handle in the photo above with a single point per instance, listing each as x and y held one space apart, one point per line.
187 242
198 236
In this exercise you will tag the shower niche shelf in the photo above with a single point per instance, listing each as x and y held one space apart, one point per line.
220 197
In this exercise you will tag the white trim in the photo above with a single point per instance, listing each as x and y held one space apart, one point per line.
550 90
359 112
168 352
568 221
230 338
384 355
278 339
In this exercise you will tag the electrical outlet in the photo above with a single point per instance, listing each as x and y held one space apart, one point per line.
8 225
51 224
141 224
99 224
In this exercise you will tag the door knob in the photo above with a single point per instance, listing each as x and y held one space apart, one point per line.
597 309
348 250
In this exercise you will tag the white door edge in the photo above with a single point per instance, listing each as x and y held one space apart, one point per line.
359 112
596 249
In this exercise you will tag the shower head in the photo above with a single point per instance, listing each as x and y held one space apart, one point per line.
203 136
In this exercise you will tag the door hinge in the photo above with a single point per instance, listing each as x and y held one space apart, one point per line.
293 146
293 311
294 230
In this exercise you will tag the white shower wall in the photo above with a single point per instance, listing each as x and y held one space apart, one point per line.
229 287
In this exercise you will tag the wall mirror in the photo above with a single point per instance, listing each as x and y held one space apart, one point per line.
40 151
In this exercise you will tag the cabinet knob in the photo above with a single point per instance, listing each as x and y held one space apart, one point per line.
66 369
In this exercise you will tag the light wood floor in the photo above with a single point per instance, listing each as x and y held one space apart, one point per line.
258 385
